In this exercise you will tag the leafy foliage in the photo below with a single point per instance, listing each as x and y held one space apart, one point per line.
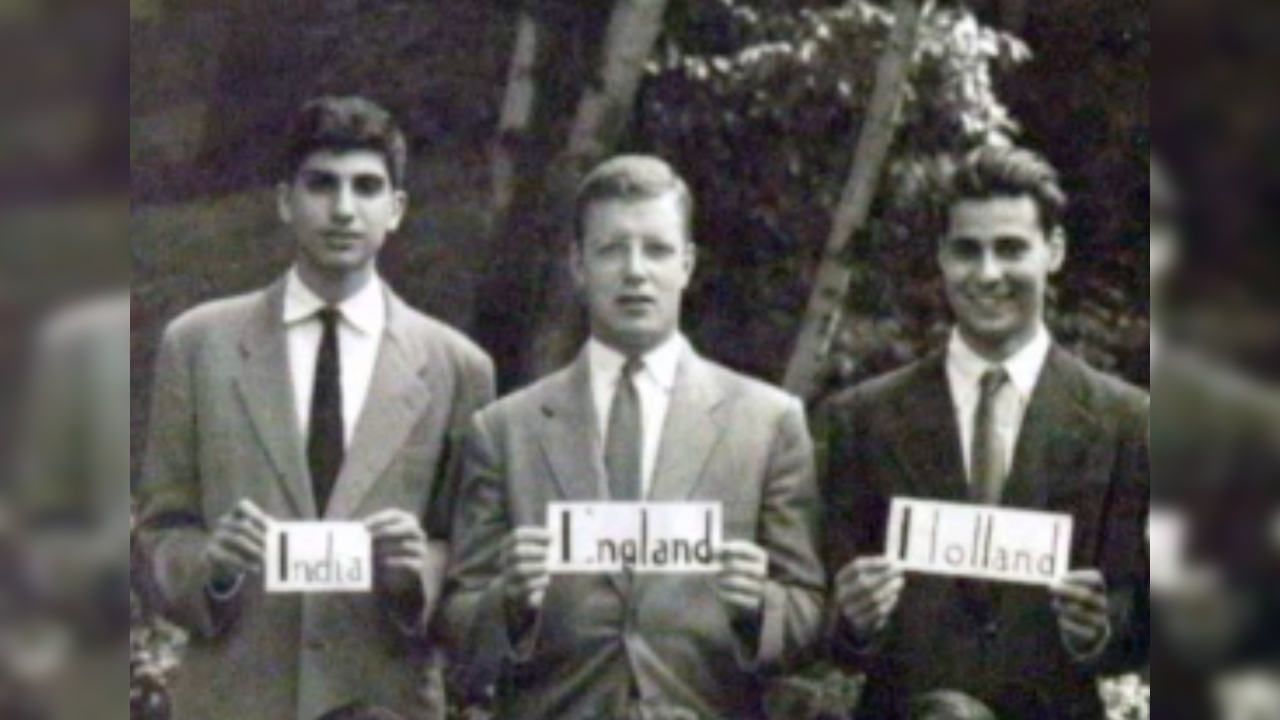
760 102
756 98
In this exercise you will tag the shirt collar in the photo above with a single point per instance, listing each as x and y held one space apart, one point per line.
366 311
661 364
1024 368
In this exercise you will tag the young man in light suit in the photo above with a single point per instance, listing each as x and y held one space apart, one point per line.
1002 417
322 397
639 416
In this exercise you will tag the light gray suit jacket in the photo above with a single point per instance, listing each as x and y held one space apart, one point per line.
223 429
602 645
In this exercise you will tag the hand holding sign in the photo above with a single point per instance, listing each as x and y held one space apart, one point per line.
238 544
525 570
744 572
1084 619
868 591
400 551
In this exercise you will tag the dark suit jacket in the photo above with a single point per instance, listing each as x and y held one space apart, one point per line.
223 429
600 643
1082 451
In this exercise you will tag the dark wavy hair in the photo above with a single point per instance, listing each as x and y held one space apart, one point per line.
340 124
999 171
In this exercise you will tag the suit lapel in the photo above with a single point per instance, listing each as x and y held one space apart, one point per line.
395 402
1059 442
267 393
927 439
571 436
693 430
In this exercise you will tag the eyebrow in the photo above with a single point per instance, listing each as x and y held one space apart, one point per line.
315 174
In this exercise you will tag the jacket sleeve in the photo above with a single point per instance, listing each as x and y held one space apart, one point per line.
1123 554
172 527
475 391
474 624
856 510
791 532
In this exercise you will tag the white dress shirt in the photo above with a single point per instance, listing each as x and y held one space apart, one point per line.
965 369
654 384
363 321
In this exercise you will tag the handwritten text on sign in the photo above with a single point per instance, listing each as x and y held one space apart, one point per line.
319 558
644 538
1166 536
980 543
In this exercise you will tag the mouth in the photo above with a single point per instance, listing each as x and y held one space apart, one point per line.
341 236
991 301
636 303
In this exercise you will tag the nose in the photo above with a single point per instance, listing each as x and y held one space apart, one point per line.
634 268
344 208
989 268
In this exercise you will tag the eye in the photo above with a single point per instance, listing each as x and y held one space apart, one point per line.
609 249
370 185
963 248
1012 248
659 249
319 182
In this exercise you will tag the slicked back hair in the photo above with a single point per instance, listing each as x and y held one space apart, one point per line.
631 178
993 172
345 124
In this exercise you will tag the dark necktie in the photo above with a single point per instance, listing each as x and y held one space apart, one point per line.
624 445
986 484
990 456
326 446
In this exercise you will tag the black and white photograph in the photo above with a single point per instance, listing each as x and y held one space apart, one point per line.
639 360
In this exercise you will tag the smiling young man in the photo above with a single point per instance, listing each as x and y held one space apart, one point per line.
638 417
1002 417
322 397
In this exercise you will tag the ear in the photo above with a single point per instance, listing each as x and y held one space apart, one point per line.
690 261
1057 250
400 199
283 207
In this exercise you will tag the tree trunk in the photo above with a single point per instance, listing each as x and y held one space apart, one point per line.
831 289
574 77
601 122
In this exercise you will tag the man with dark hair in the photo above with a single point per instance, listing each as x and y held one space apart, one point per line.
638 417
1001 418
322 397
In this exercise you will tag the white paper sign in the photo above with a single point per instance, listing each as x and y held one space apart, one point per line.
1167 539
980 543
643 538
319 557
